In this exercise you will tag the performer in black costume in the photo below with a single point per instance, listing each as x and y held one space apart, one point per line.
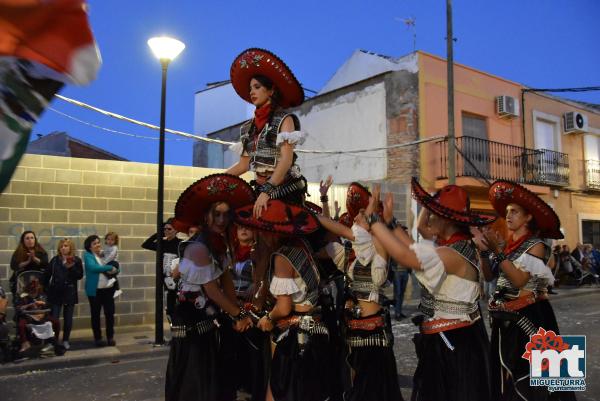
267 141
452 347
192 370
520 304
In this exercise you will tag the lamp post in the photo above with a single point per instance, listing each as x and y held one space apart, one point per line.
165 49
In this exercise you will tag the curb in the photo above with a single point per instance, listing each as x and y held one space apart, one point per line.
61 362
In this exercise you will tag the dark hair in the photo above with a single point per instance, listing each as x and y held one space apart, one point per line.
169 221
21 251
275 97
87 244
532 225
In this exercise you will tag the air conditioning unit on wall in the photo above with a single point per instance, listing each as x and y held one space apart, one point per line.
575 122
507 106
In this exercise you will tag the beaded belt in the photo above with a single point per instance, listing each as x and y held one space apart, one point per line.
199 328
369 324
441 325
378 339
516 304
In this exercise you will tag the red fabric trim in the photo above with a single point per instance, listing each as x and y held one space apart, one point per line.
513 245
453 238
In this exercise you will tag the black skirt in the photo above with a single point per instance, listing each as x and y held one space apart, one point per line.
301 373
375 376
244 362
192 366
461 374
508 345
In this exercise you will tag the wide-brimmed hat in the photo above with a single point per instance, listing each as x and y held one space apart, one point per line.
504 192
252 62
279 218
194 202
357 197
451 202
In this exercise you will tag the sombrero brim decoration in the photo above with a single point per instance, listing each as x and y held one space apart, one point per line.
279 218
313 207
357 197
502 193
194 202
450 202
346 220
255 61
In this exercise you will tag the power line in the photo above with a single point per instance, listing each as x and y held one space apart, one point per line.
212 140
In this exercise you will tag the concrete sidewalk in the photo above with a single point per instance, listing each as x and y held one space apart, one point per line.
132 342
136 342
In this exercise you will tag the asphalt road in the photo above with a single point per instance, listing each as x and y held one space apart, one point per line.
143 379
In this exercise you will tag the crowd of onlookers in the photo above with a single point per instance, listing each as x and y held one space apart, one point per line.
45 288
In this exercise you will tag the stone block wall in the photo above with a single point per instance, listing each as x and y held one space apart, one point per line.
60 197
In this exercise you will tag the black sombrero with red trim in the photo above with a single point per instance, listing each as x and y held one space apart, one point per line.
279 218
503 192
254 61
194 202
451 202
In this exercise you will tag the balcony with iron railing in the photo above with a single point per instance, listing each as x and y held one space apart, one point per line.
494 160
592 175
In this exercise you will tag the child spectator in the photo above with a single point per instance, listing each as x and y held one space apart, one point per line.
110 253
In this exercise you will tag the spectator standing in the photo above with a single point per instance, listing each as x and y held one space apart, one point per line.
578 252
170 251
110 254
4 340
60 281
98 290
29 255
401 275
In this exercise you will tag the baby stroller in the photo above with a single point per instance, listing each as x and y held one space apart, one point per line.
35 325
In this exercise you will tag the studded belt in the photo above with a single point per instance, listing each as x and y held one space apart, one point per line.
441 325
368 324
306 323
375 339
515 304
183 331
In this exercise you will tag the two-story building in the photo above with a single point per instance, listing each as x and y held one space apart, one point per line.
504 130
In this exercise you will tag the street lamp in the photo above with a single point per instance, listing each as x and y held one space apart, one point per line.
165 49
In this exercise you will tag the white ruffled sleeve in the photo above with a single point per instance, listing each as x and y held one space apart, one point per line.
197 275
283 286
237 148
293 138
378 276
433 273
535 266
337 253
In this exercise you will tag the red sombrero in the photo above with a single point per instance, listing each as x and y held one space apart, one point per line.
193 203
313 207
346 220
451 202
252 62
503 192
280 218
357 198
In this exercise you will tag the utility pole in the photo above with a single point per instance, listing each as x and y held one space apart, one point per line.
450 66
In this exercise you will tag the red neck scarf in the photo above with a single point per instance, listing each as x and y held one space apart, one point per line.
242 252
261 117
453 238
514 244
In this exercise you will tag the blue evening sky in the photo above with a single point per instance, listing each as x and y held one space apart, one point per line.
540 43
